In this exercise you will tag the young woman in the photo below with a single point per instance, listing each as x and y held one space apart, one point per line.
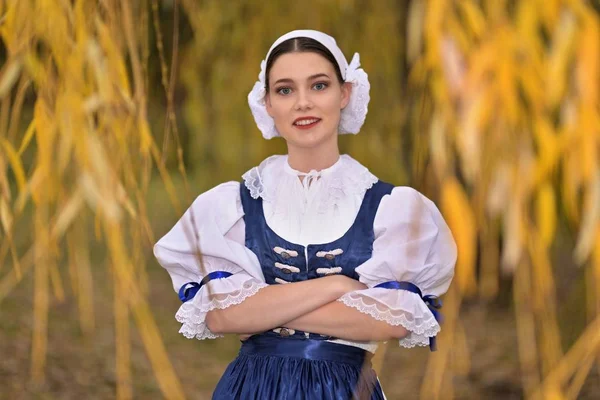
311 258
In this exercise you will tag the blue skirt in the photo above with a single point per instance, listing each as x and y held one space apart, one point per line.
277 368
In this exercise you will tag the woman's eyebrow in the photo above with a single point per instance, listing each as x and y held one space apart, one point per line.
288 80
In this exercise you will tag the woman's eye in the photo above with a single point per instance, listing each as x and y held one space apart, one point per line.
284 91
320 86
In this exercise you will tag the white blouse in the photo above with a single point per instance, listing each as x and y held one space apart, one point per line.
412 243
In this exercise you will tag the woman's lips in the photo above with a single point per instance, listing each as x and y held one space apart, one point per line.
306 123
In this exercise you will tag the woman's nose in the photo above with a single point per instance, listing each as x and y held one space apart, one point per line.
303 100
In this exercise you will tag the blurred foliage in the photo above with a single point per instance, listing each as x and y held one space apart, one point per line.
489 106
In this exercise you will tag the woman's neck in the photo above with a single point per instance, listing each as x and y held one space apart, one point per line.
308 159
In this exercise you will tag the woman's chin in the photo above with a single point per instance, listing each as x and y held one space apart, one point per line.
308 139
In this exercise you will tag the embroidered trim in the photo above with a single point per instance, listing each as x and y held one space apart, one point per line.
193 316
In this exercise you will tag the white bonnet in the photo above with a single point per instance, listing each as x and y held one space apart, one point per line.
353 115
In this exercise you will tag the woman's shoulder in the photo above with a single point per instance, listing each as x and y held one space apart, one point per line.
221 192
407 203
221 202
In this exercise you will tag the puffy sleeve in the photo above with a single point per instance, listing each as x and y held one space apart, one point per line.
412 244
208 242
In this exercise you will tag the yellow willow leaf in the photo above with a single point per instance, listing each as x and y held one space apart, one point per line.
499 189
489 276
505 87
527 20
549 11
588 342
36 69
473 17
414 29
545 207
97 199
68 214
532 83
461 220
513 235
588 60
98 65
456 31
437 144
116 67
15 163
45 129
590 221
92 103
481 63
10 74
571 182
473 121
544 301
580 377
560 54
525 326
125 201
588 143
452 65
27 137
146 139
5 215
32 186
548 144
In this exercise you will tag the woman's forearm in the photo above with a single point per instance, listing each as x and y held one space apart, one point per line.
275 305
338 320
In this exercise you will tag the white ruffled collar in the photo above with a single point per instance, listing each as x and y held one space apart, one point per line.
324 172
274 179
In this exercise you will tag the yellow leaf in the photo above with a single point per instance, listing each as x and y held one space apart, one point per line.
27 137
545 208
15 163
590 219
461 220
9 77
5 215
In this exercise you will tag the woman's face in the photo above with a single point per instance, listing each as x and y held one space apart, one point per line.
305 99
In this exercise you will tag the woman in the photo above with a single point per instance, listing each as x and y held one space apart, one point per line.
311 259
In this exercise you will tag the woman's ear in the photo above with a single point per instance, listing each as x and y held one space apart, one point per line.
346 92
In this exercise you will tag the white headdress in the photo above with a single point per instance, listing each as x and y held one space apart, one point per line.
353 115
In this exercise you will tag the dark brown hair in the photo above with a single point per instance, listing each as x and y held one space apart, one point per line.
301 45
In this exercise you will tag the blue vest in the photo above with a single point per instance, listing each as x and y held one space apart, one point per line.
283 262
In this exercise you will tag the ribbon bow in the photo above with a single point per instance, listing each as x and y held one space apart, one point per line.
433 302
189 290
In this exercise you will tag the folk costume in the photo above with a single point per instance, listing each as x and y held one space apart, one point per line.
273 228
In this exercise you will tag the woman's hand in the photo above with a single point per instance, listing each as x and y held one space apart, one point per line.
245 336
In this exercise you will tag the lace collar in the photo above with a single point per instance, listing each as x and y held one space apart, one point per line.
275 176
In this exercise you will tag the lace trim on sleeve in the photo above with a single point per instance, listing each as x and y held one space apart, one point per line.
193 316
419 327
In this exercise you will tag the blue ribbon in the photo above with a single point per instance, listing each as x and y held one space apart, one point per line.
432 302
189 290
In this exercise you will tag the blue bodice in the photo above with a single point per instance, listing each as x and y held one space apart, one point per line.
284 262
